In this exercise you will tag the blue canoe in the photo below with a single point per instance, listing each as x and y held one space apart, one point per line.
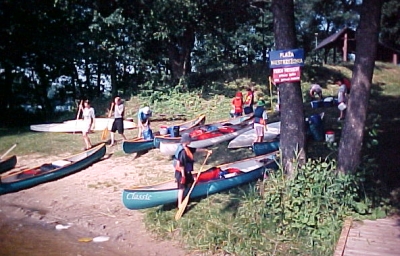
7 163
265 147
140 144
211 181
17 180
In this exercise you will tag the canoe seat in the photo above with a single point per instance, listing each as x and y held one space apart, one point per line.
229 175
225 129
210 174
60 163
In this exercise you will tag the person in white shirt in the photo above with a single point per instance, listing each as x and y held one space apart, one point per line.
118 124
88 122
342 94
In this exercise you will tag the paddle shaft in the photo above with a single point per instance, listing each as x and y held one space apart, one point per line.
181 209
8 151
104 134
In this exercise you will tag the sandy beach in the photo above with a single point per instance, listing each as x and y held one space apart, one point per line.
90 201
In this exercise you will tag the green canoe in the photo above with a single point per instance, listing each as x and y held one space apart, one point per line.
7 163
16 180
213 180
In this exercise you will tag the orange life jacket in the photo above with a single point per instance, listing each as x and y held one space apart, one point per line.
238 103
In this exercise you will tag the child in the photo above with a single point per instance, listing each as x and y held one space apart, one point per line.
237 105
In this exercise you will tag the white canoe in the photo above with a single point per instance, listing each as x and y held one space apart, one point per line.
246 139
169 149
77 125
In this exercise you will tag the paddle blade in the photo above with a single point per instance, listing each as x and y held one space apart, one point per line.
104 134
181 209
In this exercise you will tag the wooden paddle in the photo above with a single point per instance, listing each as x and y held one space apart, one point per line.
77 114
104 134
181 209
8 151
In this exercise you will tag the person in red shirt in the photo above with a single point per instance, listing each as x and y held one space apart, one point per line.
237 105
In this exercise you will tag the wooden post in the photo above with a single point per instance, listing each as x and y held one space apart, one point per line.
394 58
345 47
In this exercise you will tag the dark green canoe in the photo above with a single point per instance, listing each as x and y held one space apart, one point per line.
17 180
7 163
265 147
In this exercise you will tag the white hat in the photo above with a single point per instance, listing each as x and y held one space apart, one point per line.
146 110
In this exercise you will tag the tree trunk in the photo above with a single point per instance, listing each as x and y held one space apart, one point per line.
291 101
367 42
179 51
113 74
6 96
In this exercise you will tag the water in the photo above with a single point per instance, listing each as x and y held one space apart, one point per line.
33 239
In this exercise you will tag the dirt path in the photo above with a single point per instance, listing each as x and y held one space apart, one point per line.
91 201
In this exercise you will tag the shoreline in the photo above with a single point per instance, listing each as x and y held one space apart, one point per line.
91 201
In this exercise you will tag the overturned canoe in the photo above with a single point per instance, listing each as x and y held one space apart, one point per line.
7 163
77 125
266 147
140 144
16 180
246 139
211 181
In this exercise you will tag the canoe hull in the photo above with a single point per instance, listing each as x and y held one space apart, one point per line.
139 144
8 163
77 125
262 148
225 122
246 139
132 146
25 179
167 193
169 149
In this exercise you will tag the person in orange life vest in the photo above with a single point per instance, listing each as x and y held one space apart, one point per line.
249 101
183 163
237 105
260 121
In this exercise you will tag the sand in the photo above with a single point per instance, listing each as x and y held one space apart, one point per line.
90 201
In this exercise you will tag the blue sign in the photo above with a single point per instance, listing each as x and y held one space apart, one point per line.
286 58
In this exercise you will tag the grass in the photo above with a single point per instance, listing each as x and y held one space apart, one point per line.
207 226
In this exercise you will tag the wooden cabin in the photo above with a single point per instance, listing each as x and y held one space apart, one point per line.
344 43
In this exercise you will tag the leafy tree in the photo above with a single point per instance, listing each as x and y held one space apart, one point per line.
367 41
391 23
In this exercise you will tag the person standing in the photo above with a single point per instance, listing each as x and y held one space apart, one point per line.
144 115
88 122
260 121
342 93
183 164
237 105
249 101
118 124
